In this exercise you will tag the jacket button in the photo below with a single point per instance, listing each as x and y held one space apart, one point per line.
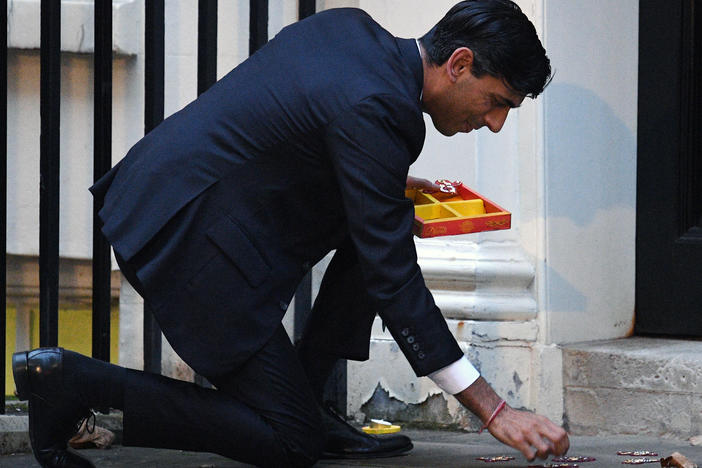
405 331
410 339
415 347
421 355
283 306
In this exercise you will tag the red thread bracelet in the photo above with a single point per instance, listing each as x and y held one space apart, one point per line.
493 415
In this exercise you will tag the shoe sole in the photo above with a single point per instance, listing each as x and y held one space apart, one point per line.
366 456
21 374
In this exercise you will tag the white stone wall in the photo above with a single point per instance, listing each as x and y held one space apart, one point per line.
590 115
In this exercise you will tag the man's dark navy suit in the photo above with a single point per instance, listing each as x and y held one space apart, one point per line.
301 149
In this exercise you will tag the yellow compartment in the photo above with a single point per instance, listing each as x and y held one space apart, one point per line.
435 211
419 197
468 207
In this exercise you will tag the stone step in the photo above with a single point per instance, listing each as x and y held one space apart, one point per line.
14 429
638 385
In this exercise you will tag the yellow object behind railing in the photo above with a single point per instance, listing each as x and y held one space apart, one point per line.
75 333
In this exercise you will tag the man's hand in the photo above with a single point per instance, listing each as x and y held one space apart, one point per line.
421 184
531 434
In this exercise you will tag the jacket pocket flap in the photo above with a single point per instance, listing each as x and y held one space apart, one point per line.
235 244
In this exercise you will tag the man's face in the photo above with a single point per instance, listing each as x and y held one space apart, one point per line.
464 102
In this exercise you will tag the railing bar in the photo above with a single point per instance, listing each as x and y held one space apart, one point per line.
3 195
102 162
306 8
258 24
154 64
206 45
50 88
153 115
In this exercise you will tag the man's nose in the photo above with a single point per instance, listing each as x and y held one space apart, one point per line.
495 119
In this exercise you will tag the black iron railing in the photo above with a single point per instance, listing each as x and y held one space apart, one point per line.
258 24
154 30
102 161
206 45
50 110
102 154
3 193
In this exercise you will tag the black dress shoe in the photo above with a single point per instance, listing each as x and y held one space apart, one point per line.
54 411
342 440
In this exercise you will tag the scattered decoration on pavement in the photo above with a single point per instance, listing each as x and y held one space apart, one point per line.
639 461
555 465
500 458
573 459
696 440
379 426
637 453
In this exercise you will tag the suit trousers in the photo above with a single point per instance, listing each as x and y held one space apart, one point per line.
264 413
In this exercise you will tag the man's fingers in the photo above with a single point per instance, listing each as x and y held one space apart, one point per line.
423 184
525 447
542 448
557 436
534 447
562 444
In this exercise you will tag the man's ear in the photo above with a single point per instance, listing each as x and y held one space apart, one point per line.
459 62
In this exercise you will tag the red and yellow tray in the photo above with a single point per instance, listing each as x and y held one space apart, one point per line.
448 214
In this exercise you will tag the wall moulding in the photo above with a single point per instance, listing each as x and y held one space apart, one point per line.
486 334
77 25
75 281
486 281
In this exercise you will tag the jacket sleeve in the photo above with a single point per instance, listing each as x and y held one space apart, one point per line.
371 146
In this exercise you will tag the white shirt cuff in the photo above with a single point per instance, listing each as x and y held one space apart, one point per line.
455 377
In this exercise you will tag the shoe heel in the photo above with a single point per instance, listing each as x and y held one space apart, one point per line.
21 375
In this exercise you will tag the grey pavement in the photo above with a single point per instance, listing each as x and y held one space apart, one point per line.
433 449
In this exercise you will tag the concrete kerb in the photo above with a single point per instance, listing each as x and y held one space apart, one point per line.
14 429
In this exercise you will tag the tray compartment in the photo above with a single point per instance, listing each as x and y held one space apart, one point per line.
419 197
468 207
434 211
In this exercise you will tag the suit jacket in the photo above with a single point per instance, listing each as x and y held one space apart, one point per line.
301 149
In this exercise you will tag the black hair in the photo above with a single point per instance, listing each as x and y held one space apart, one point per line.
503 41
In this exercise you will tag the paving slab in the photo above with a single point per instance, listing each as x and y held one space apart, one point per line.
433 449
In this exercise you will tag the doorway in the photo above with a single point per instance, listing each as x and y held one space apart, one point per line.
669 173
